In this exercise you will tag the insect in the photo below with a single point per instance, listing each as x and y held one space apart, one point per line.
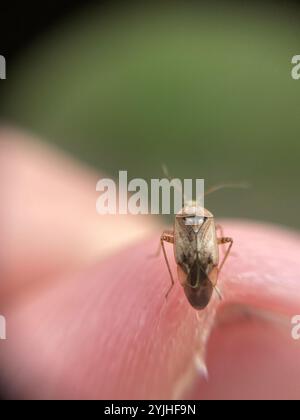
196 250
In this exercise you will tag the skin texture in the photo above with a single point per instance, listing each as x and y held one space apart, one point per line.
85 307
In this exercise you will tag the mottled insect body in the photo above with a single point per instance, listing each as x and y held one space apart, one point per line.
196 252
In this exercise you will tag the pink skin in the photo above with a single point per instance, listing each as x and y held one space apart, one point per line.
85 308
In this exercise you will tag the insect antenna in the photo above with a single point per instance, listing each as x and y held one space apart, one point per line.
221 186
167 175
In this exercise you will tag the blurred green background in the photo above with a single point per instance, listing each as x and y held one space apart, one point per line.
208 91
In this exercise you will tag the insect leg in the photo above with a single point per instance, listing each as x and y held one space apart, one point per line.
220 228
213 277
222 240
217 290
225 240
167 236
168 233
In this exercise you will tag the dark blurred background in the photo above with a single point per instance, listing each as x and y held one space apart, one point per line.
204 88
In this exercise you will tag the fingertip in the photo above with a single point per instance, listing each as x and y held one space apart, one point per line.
107 331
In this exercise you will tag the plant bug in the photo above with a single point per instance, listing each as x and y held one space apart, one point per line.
196 251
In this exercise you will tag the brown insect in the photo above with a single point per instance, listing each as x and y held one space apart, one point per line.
196 251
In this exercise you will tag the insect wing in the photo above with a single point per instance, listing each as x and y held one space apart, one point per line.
198 288
185 245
